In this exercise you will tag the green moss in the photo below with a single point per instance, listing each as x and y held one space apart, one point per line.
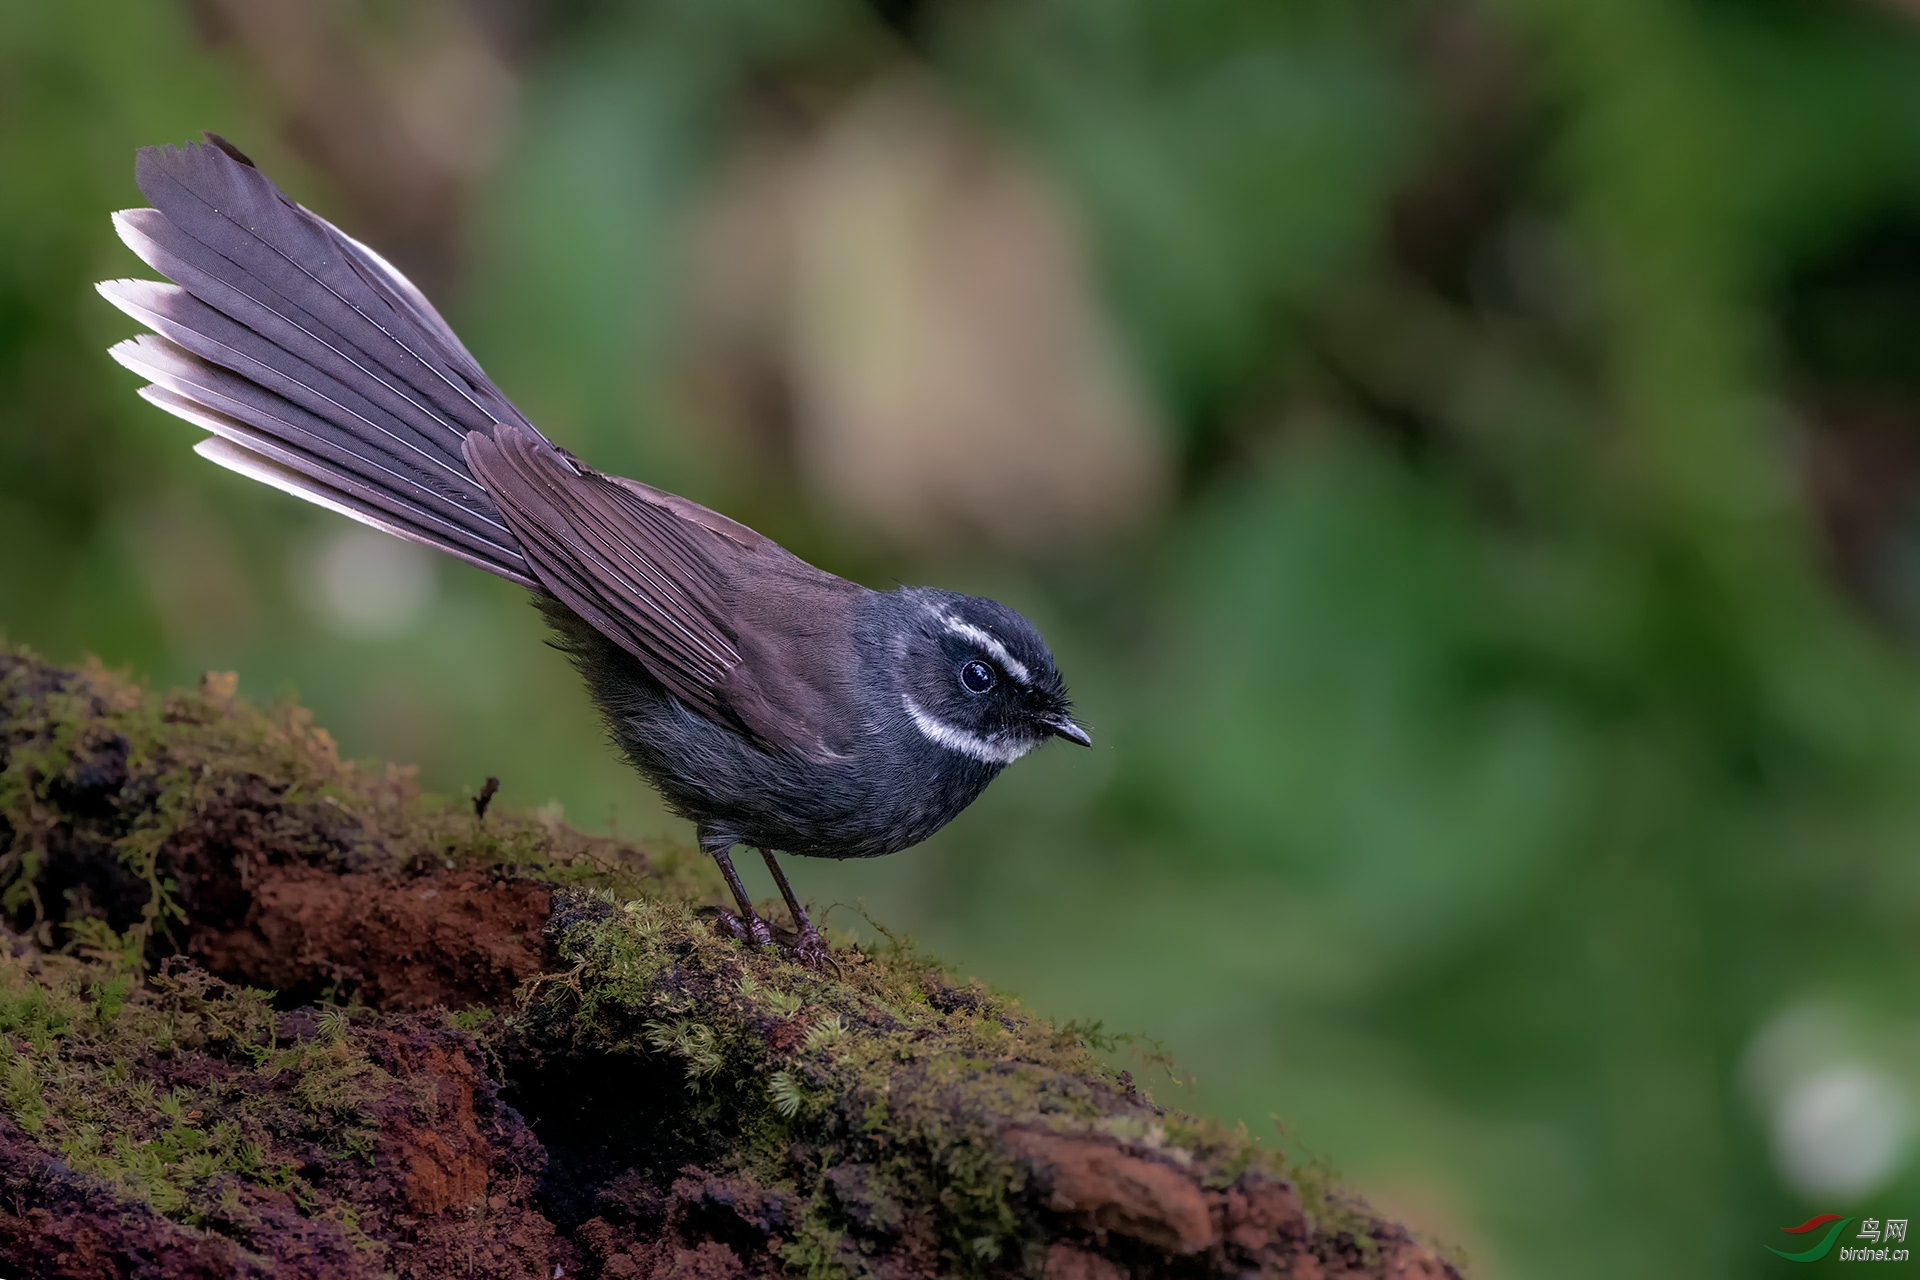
80 1041
881 1064
1332 1211
815 1252
60 1076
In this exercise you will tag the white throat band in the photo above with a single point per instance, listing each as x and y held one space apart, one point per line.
987 750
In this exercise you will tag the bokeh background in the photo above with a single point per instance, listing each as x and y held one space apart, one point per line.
1465 453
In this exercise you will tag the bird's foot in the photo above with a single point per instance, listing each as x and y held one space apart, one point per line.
809 948
753 930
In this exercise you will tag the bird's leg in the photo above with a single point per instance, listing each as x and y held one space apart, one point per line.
751 926
747 926
808 946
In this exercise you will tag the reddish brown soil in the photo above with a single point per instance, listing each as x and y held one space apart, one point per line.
452 939
296 898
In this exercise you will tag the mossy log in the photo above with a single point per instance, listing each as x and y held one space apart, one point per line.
268 1013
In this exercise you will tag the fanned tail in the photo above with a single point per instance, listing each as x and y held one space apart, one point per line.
317 367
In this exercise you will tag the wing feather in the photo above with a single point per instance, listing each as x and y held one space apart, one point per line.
649 580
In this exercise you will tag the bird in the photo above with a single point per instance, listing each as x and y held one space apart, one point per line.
773 704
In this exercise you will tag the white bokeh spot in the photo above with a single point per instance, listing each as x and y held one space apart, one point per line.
372 585
1841 1131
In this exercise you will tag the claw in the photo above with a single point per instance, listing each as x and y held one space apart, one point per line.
809 948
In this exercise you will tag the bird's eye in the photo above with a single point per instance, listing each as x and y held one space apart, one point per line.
977 676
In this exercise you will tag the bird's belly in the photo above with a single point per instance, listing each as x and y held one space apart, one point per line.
859 806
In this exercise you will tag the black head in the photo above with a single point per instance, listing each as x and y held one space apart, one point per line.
976 678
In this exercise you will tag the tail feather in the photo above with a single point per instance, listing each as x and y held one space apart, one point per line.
271 374
236 225
331 488
286 324
246 413
258 466
319 367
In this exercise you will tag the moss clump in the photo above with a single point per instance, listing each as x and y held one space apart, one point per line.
856 1090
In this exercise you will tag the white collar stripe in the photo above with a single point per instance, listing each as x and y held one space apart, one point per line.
986 640
971 745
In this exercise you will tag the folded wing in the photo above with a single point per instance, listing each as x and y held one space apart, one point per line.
644 577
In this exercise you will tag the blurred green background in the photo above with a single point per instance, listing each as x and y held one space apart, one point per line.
1466 456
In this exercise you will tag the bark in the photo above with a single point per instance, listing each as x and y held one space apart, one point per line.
263 1012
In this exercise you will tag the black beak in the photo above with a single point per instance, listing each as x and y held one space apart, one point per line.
1062 727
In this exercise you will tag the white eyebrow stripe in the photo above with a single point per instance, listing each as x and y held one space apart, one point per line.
971 745
985 639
